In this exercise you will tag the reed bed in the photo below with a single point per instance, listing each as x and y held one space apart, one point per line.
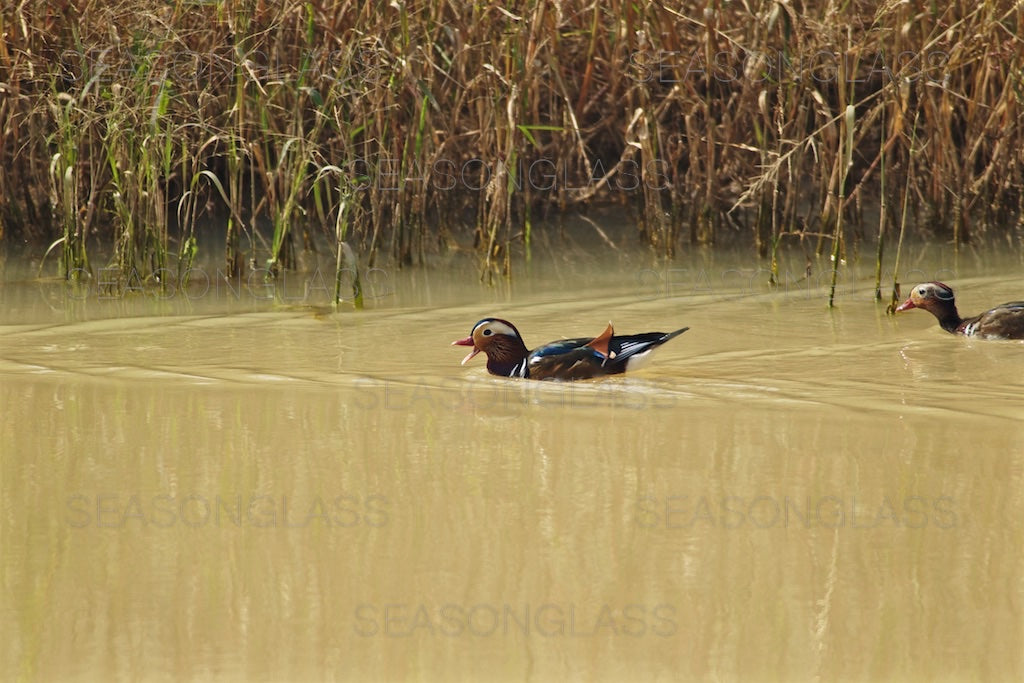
404 128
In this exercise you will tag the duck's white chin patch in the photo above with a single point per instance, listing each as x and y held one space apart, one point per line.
638 361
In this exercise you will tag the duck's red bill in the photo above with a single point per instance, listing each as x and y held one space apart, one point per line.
905 306
468 341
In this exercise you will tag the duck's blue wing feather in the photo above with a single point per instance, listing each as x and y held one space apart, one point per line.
557 348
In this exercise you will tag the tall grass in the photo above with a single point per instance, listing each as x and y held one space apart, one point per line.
410 127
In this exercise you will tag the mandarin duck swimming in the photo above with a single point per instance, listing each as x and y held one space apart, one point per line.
566 359
1002 322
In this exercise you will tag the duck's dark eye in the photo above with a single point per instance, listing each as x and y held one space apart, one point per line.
487 333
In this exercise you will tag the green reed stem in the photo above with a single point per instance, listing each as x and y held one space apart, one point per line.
894 296
882 209
846 160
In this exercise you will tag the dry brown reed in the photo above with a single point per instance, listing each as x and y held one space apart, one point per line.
400 127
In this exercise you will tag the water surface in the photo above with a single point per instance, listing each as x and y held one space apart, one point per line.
241 483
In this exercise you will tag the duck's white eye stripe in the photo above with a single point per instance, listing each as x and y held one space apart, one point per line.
497 327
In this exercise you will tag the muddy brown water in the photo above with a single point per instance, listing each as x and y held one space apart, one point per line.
231 484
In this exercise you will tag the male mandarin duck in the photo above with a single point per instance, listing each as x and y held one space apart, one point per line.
567 359
1002 322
